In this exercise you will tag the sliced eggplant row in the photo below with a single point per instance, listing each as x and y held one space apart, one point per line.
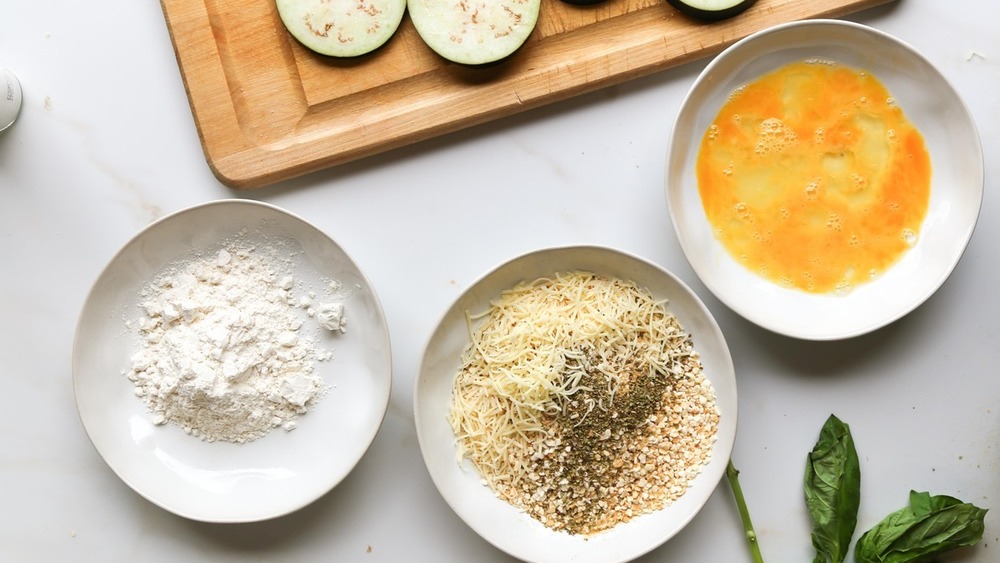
474 32
711 9
341 28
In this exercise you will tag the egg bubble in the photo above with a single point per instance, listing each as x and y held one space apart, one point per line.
773 135
809 280
909 237
762 237
843 288
742 212
819 61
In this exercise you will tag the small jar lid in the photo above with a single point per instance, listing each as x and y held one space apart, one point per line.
10 98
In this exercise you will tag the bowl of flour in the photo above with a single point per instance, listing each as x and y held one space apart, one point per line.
232 362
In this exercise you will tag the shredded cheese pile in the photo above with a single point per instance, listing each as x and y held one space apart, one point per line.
514 376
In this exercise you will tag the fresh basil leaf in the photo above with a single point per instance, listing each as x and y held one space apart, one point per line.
833 491
929 526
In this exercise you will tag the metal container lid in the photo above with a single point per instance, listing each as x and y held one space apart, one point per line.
10 98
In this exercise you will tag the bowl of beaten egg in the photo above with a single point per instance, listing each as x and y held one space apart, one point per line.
576 404
823 178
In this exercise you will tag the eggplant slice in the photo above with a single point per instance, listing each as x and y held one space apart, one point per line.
711 9
341 28
474 32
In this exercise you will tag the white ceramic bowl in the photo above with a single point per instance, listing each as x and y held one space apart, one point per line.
497 521
930 103
222 481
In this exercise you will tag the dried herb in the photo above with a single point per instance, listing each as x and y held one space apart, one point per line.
602 420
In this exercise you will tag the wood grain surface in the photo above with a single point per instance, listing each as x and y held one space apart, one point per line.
268 109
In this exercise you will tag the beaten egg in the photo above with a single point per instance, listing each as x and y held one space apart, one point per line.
813 177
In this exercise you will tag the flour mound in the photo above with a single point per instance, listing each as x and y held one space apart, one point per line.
222 349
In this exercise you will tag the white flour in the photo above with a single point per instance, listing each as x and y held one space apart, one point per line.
223 352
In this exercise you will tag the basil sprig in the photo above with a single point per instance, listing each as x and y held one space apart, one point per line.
929 526
833 491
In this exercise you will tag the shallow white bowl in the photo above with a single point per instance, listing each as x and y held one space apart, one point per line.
497 521
220 481
930 103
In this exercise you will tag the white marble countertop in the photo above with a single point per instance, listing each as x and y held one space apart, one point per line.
105 144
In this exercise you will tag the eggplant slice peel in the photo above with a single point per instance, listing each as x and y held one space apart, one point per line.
711 9
341 28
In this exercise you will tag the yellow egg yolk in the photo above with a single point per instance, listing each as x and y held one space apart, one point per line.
812 177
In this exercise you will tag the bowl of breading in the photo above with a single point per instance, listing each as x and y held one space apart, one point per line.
231 363
576 404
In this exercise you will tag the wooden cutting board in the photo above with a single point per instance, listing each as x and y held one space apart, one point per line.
267 109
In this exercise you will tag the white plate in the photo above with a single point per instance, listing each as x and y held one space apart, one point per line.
221 481
956 184
497 521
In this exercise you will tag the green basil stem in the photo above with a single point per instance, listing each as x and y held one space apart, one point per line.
732 475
